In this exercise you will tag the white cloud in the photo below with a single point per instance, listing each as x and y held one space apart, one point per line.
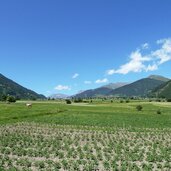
145 46
62 87
134 65
87 82
149 62
75 75
105 80
164 53
111 72
152 67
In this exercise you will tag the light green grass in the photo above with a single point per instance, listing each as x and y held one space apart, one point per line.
97 114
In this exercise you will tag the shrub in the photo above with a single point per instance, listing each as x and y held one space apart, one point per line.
158 112
139 107
127 101
168 100
3 97
79 100
158 100
85 101
11 99
68 101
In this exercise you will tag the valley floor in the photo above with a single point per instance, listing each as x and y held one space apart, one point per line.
54 136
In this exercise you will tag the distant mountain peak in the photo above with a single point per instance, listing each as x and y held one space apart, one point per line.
159 77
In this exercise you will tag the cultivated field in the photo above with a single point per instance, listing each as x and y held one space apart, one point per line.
97 136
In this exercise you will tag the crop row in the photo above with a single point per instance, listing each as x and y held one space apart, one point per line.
29 146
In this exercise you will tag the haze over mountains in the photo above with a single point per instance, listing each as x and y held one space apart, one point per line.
58 96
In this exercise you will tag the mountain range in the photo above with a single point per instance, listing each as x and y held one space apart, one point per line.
140 88
152 86
101 91
9 87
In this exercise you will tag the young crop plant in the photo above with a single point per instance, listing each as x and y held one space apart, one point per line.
106 165
65 164
57 166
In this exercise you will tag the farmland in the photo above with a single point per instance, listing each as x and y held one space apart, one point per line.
96 136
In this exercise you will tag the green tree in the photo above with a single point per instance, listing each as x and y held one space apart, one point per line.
11 99
68 101
3 97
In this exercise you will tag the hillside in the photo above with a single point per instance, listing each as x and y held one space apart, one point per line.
139 88
99 92
9 87
163 91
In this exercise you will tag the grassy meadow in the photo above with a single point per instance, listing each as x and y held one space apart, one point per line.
85 136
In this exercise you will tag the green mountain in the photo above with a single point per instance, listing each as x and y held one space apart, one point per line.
9 87
163 91
99 92
139 88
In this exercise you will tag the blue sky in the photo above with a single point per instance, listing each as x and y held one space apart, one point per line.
63 46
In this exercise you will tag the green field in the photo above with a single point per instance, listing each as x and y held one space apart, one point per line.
96 136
